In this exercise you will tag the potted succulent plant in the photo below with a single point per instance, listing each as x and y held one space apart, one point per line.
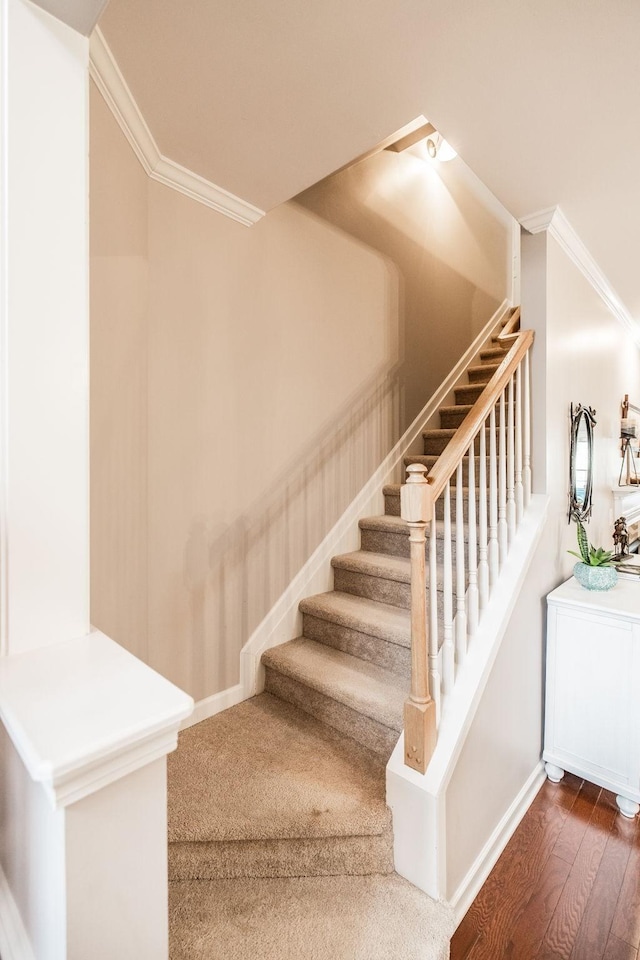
595 570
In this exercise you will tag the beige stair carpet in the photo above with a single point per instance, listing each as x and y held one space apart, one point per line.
309 918
280 838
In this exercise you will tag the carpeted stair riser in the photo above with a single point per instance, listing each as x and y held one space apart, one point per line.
468 394
435 441
391 493
392 502
395 592
482 373
391 656
372 734
452 417
429 461
308 857
493 355
397 544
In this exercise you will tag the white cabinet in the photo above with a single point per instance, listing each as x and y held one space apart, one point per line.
592 710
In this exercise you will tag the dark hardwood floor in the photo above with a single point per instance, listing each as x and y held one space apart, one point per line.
567 886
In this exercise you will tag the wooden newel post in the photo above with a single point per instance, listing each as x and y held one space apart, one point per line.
416 507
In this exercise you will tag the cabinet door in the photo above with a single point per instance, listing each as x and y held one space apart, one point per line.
593 696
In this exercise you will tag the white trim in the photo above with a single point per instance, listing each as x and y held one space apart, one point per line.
283 622
488 856
46 693
555 222
106 74
14 940
4 338
214 704
74 786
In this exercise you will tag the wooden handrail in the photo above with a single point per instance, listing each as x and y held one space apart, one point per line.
473 422
511 328
507 502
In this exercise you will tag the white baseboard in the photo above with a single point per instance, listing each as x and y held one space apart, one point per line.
488 856
216 703
283 622
14 940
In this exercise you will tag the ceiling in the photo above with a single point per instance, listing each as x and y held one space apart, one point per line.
539 97
82 15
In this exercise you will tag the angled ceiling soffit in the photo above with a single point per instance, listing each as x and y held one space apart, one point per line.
109 80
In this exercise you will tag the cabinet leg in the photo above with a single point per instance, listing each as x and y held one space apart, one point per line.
628 808
555 774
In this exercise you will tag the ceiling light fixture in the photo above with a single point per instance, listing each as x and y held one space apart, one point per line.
439 149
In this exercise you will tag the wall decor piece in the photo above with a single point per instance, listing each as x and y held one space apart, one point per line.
583 420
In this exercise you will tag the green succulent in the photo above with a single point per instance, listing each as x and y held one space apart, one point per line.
588 553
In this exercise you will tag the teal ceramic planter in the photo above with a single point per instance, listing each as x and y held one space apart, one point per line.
595 578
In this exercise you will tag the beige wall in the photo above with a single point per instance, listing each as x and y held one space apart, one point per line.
244 386
246 383
450 242
589 359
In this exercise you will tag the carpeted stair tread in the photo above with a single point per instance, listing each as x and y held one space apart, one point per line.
266 770
457 408
361 686
309 918
381 565
387 523
367 616
468 393
482 373
494 353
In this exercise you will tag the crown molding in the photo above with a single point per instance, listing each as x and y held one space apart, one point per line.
106 74
556 224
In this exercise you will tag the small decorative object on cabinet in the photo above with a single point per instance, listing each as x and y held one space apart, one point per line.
594 570
592 708
620 539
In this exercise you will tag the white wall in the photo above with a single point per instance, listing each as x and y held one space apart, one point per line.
32 840
44 331
582 355
43 418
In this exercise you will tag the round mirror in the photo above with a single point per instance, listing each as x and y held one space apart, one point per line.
581 461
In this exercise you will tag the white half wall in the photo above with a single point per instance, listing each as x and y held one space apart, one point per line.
582 354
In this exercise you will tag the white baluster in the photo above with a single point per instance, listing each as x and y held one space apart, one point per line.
526 465
519 489
435 679
503 539
461 607
483 556
472 591
448 650
494 550
511 477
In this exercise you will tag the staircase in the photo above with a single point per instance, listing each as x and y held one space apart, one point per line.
351 666
280 837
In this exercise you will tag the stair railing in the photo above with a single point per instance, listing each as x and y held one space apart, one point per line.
499 491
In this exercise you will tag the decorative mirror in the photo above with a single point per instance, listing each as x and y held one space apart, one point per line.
583 420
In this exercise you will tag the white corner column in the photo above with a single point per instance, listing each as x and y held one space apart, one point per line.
85 726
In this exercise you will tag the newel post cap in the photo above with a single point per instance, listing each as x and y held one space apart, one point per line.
415 495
